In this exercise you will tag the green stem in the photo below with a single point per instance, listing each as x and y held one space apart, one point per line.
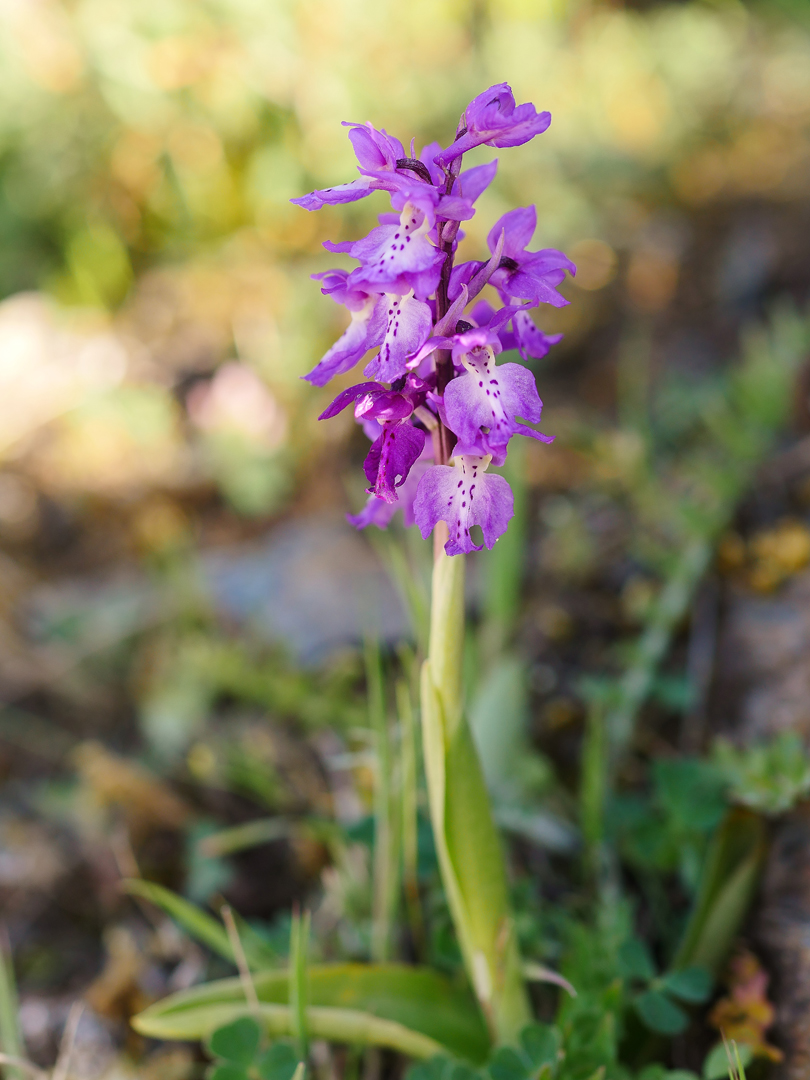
467 843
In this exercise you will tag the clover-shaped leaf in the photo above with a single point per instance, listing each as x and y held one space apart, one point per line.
236 1042
279 1062
635 961
692 984
660 1014
541 1043
507 1064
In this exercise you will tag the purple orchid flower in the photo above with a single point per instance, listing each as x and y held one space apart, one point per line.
528 275
399 444
379 511
435 369
377 153
399 257
492 119
483 405
463 495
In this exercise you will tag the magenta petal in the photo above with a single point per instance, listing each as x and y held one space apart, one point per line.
346 397
474 182
391 458
360 336
342 193
519 226
530 340
464 495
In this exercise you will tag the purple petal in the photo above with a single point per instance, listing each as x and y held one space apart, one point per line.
492 119
530 340
346 397
359 337
379 512
402 325
342 193
474 182
374 149
391 252
464 495
519 227
429 152
391 458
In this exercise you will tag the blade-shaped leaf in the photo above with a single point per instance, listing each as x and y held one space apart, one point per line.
202 926
727 885
417 1000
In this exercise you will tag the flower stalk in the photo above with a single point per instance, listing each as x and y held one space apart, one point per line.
467 843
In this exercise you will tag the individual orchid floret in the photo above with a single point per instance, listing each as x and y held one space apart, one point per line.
361 335
378 154
391 458
483 405
379 511
492 119
527 275
464 495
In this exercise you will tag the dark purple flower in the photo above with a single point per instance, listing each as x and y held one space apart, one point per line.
464 495
493 119
379 512
391 458
527 275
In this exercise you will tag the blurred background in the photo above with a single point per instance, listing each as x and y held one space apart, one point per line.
182 607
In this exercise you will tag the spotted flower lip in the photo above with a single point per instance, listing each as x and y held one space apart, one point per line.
464 495
436 406
493 119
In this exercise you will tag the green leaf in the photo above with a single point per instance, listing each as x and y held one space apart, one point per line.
236 1042
689 984
506 1064
463 1072
716 1066
635 961
435 1068
278 1063
227 1072
660 1014
541 1043
727 884
413 1009
202 926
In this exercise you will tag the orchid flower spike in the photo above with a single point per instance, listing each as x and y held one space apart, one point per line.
438 407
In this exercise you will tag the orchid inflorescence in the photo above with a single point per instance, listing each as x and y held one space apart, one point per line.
435 372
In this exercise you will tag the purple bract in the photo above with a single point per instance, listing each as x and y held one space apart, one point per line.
435 372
